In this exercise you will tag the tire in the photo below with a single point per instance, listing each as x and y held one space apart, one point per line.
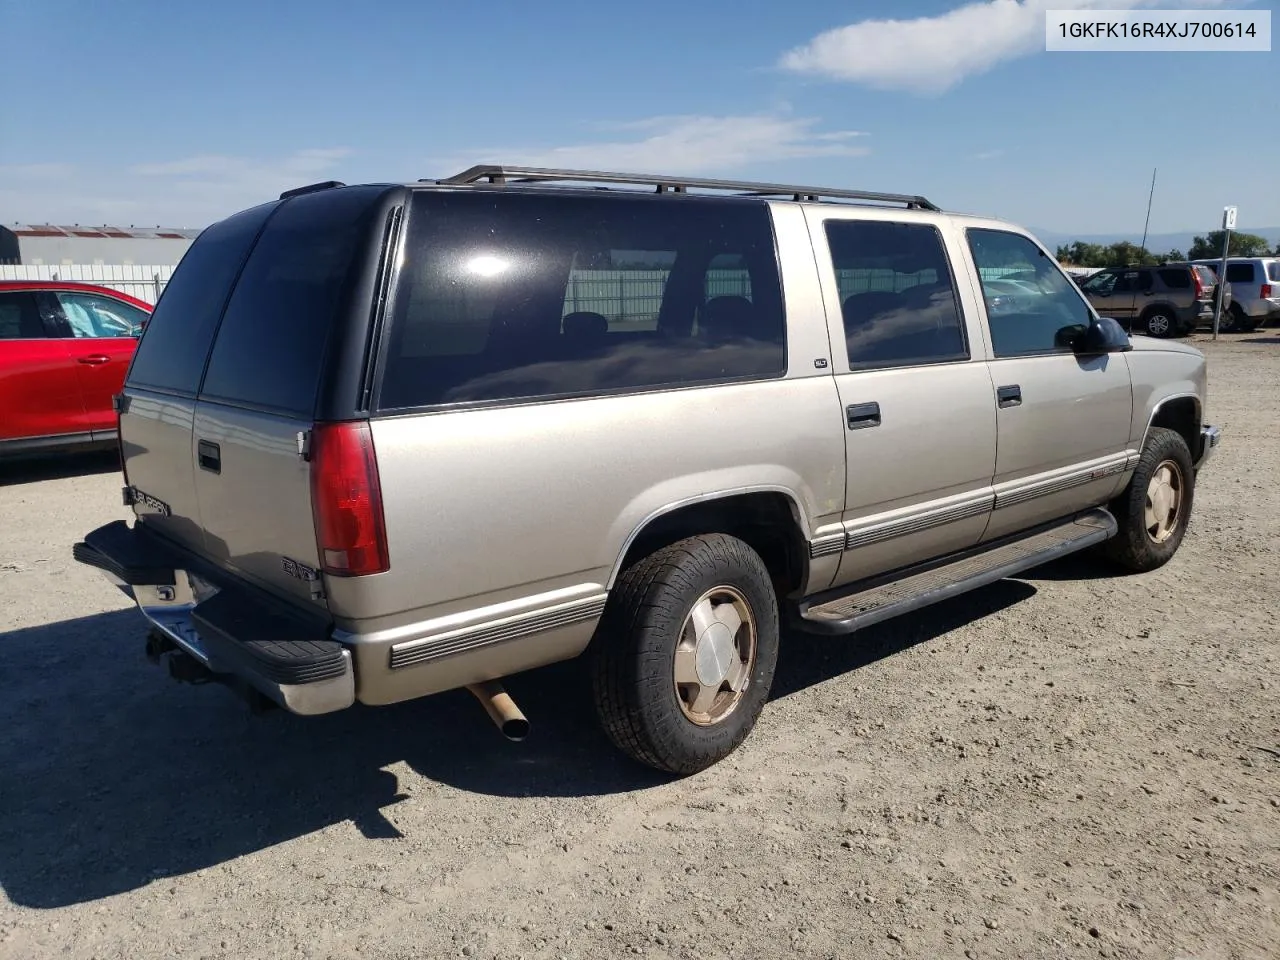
1160 322
645 640
1240 321
1139 548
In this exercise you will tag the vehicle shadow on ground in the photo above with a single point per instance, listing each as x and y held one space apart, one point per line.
1261 340
113 776
62 467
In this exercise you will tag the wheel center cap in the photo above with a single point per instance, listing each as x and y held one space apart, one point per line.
714 655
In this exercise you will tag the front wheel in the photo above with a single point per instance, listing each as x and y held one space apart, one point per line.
1160 323
1154 508
685 653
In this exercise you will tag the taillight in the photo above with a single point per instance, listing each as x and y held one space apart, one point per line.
1196 279
346 500
1266 291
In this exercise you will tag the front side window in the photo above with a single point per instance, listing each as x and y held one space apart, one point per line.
91 315
509 297
1101 284
897 297
1044 312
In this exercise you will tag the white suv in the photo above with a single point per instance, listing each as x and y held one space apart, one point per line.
1255 291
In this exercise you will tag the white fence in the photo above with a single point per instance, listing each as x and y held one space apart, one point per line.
143 282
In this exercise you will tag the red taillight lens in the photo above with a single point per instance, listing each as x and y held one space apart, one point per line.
1199 284
346 500
1266 291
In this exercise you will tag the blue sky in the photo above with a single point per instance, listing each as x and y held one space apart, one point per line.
179 113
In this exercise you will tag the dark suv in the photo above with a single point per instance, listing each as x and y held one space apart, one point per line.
1169 300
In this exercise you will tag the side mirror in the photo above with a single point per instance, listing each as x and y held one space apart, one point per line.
1103 336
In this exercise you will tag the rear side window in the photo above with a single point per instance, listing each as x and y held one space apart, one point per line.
1240 273
1176 279
896 293
521 296
20 317
272 339
172 351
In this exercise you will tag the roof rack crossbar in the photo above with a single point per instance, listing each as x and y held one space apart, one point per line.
497 174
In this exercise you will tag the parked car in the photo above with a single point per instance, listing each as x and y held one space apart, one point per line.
1255 291
1169 300
64 350
451 430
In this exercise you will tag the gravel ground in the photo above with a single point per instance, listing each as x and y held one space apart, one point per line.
1059 765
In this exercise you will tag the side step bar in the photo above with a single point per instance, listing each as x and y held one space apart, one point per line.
872 602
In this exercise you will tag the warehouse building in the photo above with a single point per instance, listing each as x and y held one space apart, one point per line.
46 244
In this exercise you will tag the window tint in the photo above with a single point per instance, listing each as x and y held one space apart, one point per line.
20 317
896 293
1176 279
172 351
272 339
91 315
1240 273
1045 312
519 296
1207 277
1102 284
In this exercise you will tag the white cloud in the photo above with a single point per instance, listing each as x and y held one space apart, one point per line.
182 192
931 55
684 144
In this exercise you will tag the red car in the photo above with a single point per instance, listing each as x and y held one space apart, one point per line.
64 352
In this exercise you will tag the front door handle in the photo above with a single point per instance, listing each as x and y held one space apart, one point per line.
210 456
1009 396
95 359
863 415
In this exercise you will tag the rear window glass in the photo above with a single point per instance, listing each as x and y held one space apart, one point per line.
1240 273
521 296
1273 270
1176 279
1207 276
172 351
272 339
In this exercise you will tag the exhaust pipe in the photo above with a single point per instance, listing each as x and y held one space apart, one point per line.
501 708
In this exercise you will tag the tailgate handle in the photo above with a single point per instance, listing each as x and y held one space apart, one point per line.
210 456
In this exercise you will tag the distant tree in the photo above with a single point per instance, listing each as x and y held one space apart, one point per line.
1124 253
1172 256
1080 254
1242 245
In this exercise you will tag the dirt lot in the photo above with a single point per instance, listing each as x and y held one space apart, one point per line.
1061 765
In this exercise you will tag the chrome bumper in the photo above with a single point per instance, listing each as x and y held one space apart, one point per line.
1210 437
235 636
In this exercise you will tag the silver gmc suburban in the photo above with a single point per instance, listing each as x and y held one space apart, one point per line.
386 440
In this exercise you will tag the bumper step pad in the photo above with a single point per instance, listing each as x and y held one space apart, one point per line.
128 554
272 642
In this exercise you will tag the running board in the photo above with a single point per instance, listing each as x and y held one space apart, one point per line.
883 599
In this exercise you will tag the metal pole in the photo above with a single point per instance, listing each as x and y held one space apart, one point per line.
1222 281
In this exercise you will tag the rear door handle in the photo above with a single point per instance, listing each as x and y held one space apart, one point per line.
210 456
863 415
1010 396
94 359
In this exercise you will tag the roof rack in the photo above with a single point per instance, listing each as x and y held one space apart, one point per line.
501 174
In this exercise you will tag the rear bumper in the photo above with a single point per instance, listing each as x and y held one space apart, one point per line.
235 632
1210 437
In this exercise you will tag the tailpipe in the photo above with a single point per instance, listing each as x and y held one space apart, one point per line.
501 708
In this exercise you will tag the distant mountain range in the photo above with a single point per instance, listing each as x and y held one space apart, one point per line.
1156 242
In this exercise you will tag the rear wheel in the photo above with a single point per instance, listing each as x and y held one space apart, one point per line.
1154 508
1241 321
1160 322
685 653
